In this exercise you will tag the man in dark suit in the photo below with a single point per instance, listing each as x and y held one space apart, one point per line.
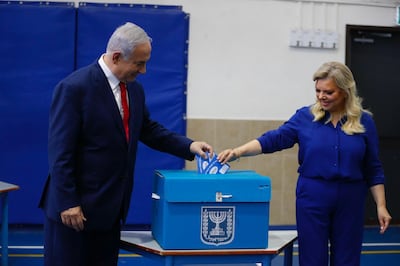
97 116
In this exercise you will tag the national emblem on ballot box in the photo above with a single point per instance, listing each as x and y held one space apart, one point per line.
217 225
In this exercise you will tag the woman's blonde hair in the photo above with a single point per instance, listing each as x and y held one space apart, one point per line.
344 79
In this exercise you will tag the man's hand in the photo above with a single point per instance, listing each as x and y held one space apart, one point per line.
200 148
74 218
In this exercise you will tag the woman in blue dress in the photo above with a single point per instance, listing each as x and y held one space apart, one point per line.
338 163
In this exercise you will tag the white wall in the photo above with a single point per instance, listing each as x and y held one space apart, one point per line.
240 62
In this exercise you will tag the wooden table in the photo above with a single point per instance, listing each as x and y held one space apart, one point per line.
143 243
4 189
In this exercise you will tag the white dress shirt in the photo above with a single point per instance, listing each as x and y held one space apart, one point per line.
114 84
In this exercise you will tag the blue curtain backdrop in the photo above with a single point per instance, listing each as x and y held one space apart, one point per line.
51 41
37 49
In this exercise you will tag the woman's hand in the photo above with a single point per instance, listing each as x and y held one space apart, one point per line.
384 219
251 148
228 155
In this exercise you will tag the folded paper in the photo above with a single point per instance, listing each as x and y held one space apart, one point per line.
211 165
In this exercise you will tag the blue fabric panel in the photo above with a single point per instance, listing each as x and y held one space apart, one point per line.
164 82
37 50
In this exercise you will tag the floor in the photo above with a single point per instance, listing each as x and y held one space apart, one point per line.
26 248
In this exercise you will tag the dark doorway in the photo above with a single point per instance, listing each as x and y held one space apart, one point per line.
373 55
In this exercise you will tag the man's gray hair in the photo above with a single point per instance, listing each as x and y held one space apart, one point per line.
125 38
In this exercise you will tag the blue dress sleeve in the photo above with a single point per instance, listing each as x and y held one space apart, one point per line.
286 136
373 170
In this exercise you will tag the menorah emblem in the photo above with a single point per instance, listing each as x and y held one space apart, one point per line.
217 217
217 225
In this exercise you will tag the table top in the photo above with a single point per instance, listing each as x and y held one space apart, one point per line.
277 241
6 187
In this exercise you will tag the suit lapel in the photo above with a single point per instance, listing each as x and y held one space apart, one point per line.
109 100
136 101
132 110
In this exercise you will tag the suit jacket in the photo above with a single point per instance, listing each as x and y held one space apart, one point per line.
90 162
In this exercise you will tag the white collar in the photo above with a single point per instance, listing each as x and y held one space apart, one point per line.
112 79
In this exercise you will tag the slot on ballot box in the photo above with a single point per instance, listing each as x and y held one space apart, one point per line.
204 211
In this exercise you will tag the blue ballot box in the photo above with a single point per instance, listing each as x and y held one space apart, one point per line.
199 211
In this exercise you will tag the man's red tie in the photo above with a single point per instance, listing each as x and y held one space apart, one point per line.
125 109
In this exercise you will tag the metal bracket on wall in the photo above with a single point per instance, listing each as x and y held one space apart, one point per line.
313 39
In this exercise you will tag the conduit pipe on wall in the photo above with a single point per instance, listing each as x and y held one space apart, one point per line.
376 3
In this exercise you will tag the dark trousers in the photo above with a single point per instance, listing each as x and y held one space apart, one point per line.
64 246
330 212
